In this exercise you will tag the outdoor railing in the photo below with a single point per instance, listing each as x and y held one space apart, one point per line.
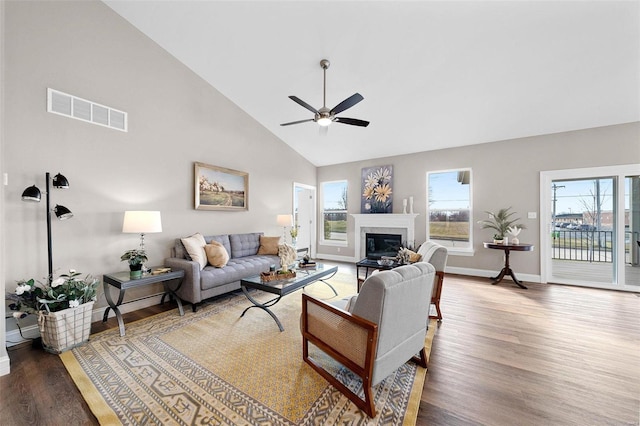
590 246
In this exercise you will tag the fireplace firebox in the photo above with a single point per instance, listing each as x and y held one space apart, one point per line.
378 245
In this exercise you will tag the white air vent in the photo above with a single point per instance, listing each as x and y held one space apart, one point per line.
82 109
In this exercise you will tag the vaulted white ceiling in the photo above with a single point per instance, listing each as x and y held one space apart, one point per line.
433 74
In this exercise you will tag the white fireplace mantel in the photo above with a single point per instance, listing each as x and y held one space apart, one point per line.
381 220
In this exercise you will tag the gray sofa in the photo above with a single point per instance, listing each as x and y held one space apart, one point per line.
244 261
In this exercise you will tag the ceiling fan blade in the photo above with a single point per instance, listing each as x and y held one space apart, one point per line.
347 103
296 122
303 103
352 121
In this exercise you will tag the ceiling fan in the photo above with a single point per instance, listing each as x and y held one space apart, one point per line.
325 116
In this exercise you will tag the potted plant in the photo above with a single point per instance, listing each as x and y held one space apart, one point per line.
136 259
294 234
500 222
63 307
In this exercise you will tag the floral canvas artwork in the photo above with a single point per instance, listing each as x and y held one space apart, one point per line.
377 190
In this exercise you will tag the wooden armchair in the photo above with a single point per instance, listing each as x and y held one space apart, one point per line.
436 255
380 329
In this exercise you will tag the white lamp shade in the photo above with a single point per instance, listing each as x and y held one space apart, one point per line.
141 222
285 219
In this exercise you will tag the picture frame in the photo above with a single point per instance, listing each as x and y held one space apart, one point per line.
219 188
377 189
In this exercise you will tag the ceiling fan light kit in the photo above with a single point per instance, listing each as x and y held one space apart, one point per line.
325 116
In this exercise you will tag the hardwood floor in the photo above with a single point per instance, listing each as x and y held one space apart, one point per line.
549 355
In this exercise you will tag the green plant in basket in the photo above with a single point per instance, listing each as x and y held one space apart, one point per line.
67 291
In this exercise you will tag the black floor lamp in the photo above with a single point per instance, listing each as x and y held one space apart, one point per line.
32 193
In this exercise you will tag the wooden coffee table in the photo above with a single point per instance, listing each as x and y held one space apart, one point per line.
281 288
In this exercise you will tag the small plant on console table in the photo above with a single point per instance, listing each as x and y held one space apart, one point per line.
500 222
136 259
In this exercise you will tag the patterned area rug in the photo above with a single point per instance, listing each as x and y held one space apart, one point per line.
214 367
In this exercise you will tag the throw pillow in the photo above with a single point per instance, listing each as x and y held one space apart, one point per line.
195 247
414 257
216 254
269 245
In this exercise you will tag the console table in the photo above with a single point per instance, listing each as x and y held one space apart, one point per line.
506 270
122 281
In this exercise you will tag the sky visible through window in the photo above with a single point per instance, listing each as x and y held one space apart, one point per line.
332 194
578 196
445 192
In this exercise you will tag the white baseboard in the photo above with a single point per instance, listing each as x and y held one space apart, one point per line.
484 273
13 337
449 269
134 305
336 258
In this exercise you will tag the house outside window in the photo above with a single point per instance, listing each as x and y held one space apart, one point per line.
334 213
449 210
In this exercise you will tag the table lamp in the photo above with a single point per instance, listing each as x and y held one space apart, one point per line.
142 222
285 220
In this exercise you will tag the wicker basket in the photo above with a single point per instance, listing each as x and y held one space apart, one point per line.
267 276
66 329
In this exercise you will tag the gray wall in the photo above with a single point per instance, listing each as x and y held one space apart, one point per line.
504 174
175 119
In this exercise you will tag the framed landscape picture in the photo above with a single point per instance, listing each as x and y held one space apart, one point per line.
218 188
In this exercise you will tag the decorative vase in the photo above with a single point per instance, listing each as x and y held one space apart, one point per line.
66 329
135 271
294 241
411 205
515 240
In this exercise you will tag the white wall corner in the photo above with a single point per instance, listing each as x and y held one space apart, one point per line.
5 365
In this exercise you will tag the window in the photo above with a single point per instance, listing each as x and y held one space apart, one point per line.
449 210
334 212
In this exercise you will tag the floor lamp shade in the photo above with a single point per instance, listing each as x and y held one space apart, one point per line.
33 193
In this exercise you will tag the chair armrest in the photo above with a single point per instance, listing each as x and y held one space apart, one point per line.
349 339
190 288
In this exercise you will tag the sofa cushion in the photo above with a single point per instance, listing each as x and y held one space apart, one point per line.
244 244
235 270
269 245
195 247
216 254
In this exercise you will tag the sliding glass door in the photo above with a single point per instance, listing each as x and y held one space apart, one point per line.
583 230
632 230
590 227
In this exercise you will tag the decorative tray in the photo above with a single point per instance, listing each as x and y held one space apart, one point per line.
268 276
